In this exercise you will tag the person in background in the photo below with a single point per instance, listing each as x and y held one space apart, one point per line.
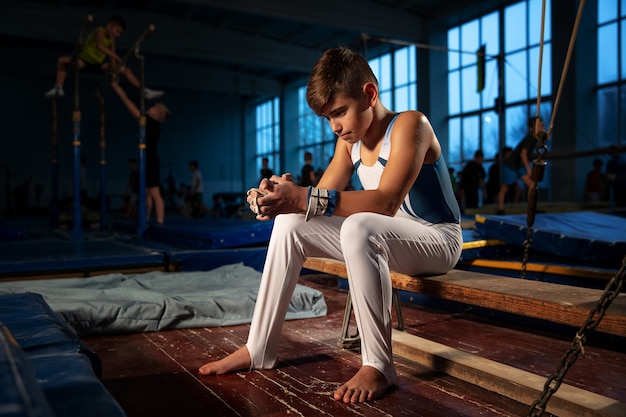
131 194
473 181
595 182
98 46
196 206
616 176
266 171
155 115
516 167
307 175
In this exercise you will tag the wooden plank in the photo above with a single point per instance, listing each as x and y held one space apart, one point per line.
558 303
562 270
516 384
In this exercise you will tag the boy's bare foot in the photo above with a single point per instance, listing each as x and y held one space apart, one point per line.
368 384
236 361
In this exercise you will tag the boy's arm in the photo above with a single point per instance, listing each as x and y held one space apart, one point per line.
109 51
413 144
132 108
339 171
524 157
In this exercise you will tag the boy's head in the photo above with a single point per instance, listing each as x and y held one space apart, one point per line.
308 156
159 112
339 71
597 163
116 26
193 165
532 122
117 21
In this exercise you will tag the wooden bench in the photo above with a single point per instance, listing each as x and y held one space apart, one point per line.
563 304
557 303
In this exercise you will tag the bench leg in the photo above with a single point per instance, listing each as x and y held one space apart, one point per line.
396 301
347 341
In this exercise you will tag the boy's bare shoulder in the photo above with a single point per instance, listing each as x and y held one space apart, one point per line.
412 119
413 115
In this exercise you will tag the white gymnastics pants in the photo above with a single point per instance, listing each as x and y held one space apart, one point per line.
371 245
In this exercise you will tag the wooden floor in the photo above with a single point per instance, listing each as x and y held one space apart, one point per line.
155 374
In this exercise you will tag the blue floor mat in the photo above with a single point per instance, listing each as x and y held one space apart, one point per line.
581 236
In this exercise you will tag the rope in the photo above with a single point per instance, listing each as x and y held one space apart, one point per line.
566 64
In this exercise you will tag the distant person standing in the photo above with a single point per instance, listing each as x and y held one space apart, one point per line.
307 175
595 182
616 176
493 175
266 171
155 115
196 192
472 181
516 166
132 189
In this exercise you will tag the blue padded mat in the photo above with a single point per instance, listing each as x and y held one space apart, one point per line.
208 259
582 236
205 233
213 233
66 370
53 254
20 393
9 233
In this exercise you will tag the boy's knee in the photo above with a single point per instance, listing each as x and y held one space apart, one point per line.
355 228
287 223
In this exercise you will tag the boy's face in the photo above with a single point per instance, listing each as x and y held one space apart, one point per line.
114 30
349 118
157 112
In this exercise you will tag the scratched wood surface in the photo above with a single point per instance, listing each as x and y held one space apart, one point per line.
564 304
154 374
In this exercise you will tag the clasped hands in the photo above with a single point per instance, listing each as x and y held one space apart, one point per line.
277 195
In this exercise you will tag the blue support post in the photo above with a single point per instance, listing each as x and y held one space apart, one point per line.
103 164
54 202
77 226
141 230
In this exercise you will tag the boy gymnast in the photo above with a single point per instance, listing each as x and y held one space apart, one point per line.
99 44
406 219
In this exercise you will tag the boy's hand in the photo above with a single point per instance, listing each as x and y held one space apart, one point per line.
275 196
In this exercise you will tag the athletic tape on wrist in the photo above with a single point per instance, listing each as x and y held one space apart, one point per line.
321 202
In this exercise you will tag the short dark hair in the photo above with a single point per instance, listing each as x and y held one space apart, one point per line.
118 20
194 163
338 71
532 120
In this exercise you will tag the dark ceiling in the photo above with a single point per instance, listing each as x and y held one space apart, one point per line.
246 47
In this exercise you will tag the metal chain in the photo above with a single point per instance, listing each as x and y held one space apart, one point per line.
553 383
536 175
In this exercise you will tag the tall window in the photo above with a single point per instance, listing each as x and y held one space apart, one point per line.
397 78
474 94
611 72
315 135
268 134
